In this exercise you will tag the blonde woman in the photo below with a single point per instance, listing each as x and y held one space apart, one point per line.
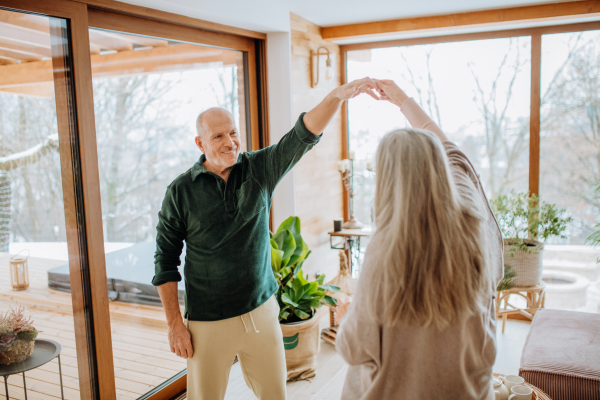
422 323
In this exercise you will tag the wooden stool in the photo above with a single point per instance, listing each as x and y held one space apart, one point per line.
534 295
329 334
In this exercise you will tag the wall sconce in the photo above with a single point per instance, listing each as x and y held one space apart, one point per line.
314 78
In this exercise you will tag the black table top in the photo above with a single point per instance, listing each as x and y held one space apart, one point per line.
43 351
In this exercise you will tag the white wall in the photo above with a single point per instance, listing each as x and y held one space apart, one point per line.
281 120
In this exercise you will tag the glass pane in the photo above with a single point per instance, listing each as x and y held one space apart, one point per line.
570 162
32 218
570 135
478 92
147 95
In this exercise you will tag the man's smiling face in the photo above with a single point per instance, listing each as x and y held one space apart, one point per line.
218 138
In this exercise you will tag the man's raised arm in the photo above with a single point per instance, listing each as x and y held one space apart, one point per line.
319 117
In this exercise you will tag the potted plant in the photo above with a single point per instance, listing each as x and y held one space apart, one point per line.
526 223
17 336
298 300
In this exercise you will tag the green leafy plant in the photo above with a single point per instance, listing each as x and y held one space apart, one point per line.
521 216
507 281
298 298
594 238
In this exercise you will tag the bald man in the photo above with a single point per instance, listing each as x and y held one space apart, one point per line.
220 208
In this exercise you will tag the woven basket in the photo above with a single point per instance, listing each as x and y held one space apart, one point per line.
527 266
538 394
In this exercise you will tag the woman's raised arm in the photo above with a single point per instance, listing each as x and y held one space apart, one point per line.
417 118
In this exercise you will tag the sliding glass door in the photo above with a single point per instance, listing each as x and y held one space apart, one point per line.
40 202
147 94
97 117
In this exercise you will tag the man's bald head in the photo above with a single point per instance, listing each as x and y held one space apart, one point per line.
210 117
218 138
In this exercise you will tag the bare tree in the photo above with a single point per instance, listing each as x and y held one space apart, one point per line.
138 147
505 139
570 162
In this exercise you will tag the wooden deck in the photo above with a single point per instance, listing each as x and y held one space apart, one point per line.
141 352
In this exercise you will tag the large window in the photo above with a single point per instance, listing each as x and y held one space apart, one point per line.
476 91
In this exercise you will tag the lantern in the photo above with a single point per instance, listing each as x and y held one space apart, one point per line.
19 272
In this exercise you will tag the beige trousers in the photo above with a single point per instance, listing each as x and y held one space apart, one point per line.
255 338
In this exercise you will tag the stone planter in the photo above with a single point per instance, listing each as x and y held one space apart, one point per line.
18 350
301 342
527 265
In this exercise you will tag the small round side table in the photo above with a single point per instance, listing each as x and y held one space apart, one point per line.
44 350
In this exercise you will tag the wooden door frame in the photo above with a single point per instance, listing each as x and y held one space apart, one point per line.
79 160
81 193
535 34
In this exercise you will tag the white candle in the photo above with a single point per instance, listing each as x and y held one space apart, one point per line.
369 165
341 166
351 155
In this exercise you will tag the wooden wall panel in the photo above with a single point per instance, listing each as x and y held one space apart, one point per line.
318 186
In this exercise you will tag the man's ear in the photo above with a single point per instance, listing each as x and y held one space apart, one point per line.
198 140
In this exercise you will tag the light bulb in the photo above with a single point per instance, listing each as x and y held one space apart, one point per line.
328 74
328 70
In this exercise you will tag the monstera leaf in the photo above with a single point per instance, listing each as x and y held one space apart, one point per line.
297 297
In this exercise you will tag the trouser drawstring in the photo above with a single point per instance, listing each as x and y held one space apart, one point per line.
244 322
251 320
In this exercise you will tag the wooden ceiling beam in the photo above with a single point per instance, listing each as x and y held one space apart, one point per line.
26 49
106 42
133 62
503 16
42 90
20 54
27 21
24 36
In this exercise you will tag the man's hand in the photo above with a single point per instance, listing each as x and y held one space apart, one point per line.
354 88
180 340
388 90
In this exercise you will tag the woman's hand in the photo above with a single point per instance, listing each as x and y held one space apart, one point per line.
356 87
342 308
388 90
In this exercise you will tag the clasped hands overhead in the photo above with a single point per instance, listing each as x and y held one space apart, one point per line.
379 89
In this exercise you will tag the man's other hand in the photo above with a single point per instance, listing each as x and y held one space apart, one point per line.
180 340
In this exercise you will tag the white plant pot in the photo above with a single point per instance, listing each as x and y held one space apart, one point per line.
527 265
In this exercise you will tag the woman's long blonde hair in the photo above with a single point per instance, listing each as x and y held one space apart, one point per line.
430 245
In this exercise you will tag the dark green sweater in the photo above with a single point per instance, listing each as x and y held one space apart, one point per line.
225 226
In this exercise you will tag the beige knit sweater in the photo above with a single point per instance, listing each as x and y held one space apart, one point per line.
416 363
